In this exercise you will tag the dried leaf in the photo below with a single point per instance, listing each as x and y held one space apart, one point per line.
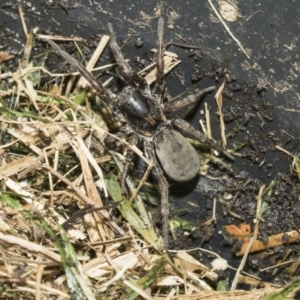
4 56
241 233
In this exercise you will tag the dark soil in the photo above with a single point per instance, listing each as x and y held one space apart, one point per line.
261 105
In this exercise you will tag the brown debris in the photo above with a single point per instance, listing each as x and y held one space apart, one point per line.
4 56
273 241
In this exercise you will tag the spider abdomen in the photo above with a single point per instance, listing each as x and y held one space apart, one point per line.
176 155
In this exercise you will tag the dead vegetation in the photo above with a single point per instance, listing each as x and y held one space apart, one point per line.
61 237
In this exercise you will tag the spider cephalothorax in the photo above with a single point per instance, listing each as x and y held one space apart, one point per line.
144 112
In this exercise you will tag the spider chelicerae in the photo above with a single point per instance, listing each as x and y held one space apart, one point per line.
145 111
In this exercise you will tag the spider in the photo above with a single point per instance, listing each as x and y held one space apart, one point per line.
145 112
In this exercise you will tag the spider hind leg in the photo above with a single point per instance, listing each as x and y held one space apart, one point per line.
164 189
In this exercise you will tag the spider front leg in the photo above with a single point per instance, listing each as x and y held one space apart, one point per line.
105 94
164 189
159 88
190 101
124 68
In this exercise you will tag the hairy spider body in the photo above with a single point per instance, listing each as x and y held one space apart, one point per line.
145 113
177 157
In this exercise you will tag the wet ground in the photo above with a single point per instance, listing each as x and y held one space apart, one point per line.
260 115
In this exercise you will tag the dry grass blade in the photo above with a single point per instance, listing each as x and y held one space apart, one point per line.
60 38
207 118
88 293
16 166
101 231
26 139
29 246
38 206
232 295
27 50
45 289
83 153
20 10
82 83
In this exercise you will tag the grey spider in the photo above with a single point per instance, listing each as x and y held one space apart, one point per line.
145 112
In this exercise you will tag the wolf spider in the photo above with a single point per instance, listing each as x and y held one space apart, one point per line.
145 112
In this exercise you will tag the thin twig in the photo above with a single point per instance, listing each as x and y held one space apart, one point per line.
219 100
207 118
278 265
241 266
214 208
227 28
22 20
258 206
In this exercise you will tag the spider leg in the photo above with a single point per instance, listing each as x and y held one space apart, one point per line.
159 87
105 94
124 68
164 190
185 128
133 140
190 101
